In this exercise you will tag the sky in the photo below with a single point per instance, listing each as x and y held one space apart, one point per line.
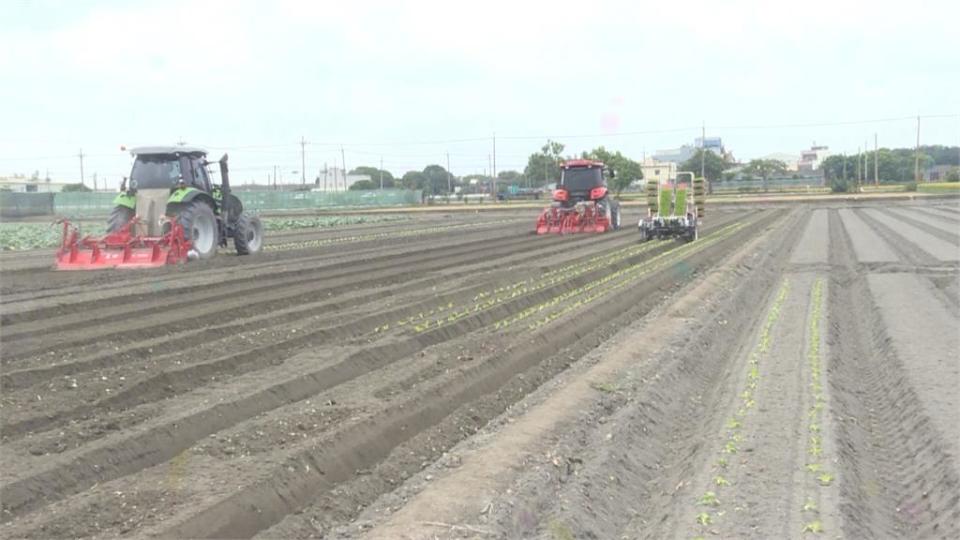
411 82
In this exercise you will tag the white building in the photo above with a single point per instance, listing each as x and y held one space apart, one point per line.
812 159
660 171
30 185
336 179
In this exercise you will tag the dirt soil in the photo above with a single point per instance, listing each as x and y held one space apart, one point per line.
790 374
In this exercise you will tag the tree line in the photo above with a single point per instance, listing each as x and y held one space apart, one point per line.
543 168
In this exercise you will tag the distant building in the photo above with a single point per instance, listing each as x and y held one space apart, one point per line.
812 159
791 160
337 180
30 185
658 170
687 151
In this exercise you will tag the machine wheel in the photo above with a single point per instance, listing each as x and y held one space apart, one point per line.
119 216
248 234
200 227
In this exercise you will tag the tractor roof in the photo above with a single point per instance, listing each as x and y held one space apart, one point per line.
167 150
581 163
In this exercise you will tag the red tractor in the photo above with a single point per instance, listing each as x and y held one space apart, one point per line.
581 201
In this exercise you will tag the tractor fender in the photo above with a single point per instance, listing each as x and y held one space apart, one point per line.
185 196
126 200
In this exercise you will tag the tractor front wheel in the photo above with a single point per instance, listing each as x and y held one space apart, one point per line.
248 234
119 216
200 227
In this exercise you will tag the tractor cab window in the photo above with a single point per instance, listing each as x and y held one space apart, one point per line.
582 179
201 180
153 172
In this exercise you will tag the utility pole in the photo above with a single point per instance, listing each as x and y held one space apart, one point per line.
876 161
325 171
494 167
94 181
274 177
343 157
449 180
490 168
916 156
844 168
866 162
80 155
858 166
703 151
381 172
303 161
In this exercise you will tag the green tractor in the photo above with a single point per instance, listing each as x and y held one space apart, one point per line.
171 183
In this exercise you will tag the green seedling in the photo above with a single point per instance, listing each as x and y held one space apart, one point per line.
815 451
749 403
703 518
809 506
709 499
813 527
720 481
815 428
730 448
737 437
733 423
814 467
722 463
603 387
825 479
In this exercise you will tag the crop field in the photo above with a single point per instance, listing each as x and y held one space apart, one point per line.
793 373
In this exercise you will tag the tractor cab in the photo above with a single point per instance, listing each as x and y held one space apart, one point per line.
164 168
580 180
160 174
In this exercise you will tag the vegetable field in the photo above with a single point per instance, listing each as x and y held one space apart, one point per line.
27 236
790 374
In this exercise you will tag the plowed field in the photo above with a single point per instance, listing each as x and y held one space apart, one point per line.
792 373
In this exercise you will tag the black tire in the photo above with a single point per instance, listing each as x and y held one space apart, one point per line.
119 216
200 227
248 234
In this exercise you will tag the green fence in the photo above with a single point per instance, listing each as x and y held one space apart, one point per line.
82 204
100 204
16 205
773 184
295 200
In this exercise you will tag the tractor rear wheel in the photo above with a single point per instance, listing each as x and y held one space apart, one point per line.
200 227
248 234
119 216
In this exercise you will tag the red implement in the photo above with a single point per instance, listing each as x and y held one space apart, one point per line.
121 249
583 217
